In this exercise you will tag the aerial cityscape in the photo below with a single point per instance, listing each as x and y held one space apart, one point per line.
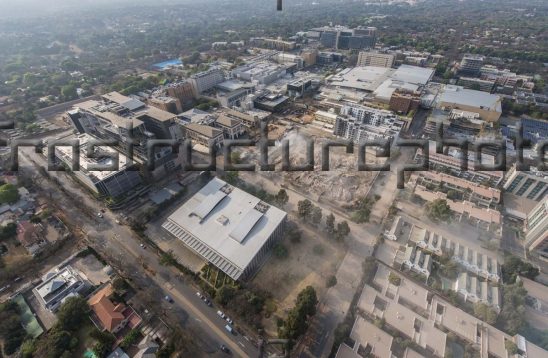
274 178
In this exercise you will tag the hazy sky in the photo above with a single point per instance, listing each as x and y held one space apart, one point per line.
17 8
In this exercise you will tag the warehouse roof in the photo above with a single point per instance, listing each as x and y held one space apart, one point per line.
472 98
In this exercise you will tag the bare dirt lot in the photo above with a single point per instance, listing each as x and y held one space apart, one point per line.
310 262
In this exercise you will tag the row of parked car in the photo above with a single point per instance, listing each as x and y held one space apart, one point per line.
220 313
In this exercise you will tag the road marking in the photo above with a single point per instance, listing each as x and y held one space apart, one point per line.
197 319
240 343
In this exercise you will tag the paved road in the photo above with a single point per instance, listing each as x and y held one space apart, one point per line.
123 251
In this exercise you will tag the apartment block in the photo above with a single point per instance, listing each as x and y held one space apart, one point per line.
206 80
375 59
536 230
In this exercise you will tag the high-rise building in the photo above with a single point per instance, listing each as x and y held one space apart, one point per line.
471 64
404 101
343 38
532 185
206 80
375 59
309 57
536 230
182 91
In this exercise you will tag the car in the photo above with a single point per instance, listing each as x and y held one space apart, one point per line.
142 246
208 302
225 349
221 314
117 221
100 214
199 294
229 328
168 299
229 320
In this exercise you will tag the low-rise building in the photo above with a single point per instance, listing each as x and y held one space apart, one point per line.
232 128
471 260
203 134
470 202
489 106
31 236
58 285
369 341
109 315
476 291
416 260
326 117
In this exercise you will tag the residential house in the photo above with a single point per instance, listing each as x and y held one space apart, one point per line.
109 315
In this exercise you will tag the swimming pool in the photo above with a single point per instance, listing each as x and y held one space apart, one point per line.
165 64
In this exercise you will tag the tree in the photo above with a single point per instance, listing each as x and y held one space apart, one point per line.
294 235
308 300
316 215
511 347
11 329
8 194
331 281
119 284
225 294
330 223
298 317
342 230
8 231
168 259
104 339
512 316
69 92
282 198
438 210
280 251
485 312
304 208
231 177
513 267
130 338
72 313
235 157
394 279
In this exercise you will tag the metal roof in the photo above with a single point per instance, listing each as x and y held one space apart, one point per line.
244 227
209 203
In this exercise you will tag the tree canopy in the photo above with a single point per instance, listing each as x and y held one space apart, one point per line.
438 210
8 194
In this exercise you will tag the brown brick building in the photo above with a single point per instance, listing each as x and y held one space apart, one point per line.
404 101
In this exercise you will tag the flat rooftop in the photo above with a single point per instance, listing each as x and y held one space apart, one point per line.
413 74
225 225
105 157
366 78
472 98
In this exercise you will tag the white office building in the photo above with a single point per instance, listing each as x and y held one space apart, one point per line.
228 227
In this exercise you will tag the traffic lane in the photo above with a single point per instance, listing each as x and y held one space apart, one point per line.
186 296
139 278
